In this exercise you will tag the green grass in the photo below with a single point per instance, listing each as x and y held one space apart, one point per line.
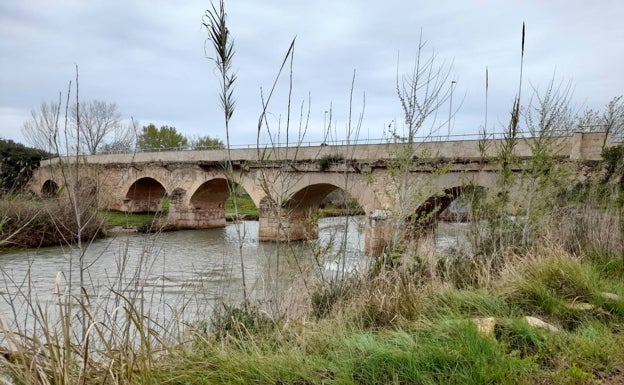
127 220
245 206
393 330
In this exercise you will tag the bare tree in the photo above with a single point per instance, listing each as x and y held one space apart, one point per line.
423 92
98 121
610 121
92 125
41 130
614 118
122 139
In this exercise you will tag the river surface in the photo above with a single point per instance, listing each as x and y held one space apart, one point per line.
185 273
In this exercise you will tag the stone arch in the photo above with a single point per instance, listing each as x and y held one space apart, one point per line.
145 195
428 212
210 195
357 186
292 221
432 208
311 196
49 188
204 208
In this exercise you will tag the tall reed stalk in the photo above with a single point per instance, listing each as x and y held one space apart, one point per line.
215 22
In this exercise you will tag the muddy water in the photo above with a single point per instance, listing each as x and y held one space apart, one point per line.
185 272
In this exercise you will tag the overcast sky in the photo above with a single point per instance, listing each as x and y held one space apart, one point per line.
148 57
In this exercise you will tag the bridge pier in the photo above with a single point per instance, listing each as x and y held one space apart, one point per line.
283 224
183 216
379 232
383 232
197 218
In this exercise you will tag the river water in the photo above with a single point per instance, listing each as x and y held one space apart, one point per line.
184 273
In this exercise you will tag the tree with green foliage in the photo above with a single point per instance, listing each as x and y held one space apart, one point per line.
207 143
165 137
16 164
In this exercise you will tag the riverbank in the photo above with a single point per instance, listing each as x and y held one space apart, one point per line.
548 318
556 320
27 222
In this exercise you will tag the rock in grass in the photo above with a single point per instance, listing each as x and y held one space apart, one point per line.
584 306
610 296
486 325
538 323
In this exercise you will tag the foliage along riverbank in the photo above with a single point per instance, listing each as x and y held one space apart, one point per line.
30 222
386 327
389 331
546 312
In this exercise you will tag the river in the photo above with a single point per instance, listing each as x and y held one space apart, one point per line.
185 273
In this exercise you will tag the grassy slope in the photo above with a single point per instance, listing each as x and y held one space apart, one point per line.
433 339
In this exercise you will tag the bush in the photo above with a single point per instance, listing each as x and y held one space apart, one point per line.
28 222
239 322
326 161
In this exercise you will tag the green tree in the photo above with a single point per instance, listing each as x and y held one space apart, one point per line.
16 164
165 137
207 143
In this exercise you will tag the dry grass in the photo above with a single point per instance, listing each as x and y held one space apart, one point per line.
587 229
35 223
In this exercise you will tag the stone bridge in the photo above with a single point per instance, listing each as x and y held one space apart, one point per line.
287 184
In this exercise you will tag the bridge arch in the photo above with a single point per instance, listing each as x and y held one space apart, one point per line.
204 205
293 220
210 194
428 212
310 196
144 195
49 188
311 191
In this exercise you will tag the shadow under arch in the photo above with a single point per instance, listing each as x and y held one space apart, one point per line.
428 212
206 206
49 189
313 196
145 195
436 207
295 219
210 194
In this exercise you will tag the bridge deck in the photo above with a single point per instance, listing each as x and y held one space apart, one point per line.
579 146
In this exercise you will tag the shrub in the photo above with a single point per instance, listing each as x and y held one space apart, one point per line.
30 222
239 322
326 161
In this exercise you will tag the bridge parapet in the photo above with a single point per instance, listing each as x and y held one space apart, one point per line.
578 146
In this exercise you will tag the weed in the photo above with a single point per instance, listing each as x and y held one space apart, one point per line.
327 160
239 322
